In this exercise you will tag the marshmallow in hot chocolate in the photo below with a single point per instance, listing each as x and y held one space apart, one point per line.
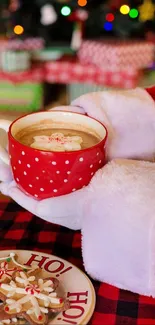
57 142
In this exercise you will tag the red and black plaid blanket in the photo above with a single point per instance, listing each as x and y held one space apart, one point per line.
19 229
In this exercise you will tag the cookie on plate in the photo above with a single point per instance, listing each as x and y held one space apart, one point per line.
31 297
8 266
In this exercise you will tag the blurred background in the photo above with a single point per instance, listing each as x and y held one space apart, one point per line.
52 51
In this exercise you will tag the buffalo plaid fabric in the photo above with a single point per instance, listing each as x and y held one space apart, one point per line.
19 229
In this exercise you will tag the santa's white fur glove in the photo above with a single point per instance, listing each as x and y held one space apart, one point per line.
118 228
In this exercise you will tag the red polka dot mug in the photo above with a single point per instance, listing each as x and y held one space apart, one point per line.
44 174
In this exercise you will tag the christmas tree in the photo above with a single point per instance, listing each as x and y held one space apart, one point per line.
50 19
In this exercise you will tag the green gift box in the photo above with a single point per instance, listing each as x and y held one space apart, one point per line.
24 97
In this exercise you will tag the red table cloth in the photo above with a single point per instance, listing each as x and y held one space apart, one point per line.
19 229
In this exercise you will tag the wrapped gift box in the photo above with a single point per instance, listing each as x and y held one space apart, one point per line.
72 71
138 54
25 97
21 91
76 90
16 54
15 60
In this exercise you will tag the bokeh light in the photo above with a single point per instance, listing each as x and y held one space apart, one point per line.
133 13
124 9
108 26
82 3
65 11
110 17
18 30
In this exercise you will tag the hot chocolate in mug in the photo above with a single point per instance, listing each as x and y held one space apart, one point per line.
54 153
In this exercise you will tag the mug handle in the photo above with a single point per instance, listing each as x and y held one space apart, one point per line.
4 156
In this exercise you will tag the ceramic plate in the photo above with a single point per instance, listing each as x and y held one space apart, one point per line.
74 285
